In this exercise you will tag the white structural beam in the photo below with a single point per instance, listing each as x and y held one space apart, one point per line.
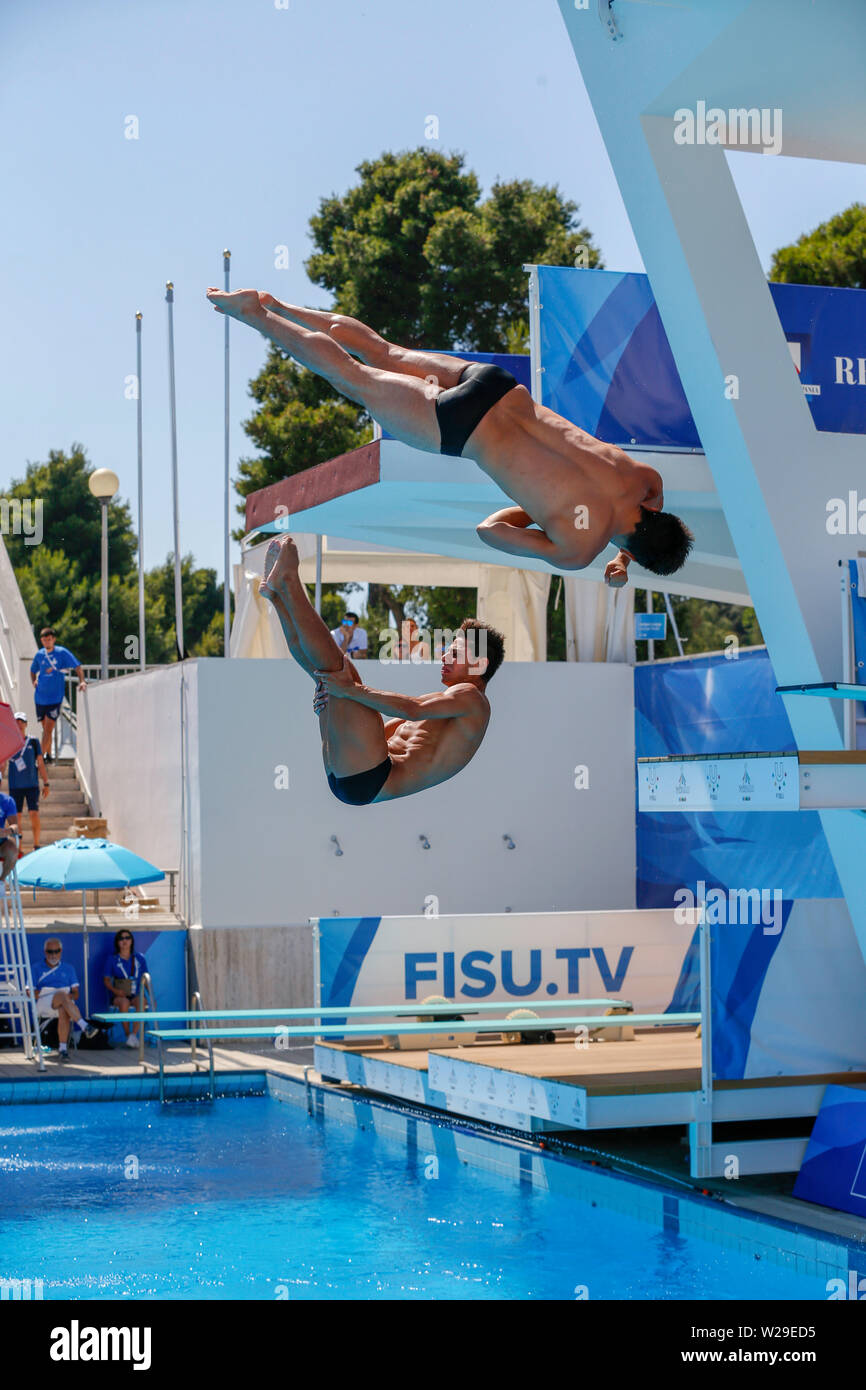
414 501
805 66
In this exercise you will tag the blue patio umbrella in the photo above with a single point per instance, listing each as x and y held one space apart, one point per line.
84 864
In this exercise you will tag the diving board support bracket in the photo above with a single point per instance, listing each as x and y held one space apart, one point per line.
773 470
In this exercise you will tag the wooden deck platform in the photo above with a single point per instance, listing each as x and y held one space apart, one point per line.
654 1061
654 1080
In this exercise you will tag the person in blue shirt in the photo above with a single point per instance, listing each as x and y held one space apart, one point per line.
25 769
46 673
122 978
9 835
57 989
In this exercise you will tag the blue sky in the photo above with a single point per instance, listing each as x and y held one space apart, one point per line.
248 115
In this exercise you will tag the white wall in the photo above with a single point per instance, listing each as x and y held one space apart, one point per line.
265 856
129 759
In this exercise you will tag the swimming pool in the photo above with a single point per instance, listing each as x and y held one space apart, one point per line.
251 1198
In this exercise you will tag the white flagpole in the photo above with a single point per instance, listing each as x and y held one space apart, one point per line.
227 538
178 589
141 632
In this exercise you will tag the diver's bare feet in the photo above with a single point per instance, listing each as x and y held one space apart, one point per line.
268 590
244 305
271 556
286 563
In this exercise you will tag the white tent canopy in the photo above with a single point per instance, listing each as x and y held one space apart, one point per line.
512 600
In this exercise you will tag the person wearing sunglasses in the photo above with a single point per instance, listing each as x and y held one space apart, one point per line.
122 978
57 989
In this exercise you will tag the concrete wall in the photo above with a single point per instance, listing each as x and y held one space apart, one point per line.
254 967
130 757
260 856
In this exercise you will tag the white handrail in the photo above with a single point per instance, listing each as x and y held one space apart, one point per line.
146 992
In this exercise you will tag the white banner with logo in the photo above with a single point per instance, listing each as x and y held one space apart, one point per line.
647 957
750 782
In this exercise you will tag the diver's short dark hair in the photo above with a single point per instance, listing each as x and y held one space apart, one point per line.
490 644
354 616
660 542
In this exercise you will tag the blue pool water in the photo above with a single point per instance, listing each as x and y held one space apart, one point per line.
252 1199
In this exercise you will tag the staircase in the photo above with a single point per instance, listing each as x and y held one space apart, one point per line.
57 811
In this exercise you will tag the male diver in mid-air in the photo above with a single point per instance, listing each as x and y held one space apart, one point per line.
574 494
378 746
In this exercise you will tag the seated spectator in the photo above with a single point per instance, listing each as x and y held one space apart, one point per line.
350 638
57 989
10 835
123 972
26 768
411 647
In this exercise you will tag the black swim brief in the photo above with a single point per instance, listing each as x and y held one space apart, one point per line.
461 408
361 788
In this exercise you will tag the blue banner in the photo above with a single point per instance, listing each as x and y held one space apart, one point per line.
713 705
607 364
650 627
164 951
833 1173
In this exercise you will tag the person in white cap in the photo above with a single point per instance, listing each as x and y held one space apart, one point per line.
26 770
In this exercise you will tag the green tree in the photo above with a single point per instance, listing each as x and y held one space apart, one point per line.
301 420
704 626
55 594
435 608
60 578
413 251
71 519
833 254
556 644
202 609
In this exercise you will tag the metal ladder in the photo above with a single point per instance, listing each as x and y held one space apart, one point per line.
16 980
197 1005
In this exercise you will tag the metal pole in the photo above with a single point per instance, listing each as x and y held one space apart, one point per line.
178 588
318 604
702 1145
142 660
650 646
227 556
849 660
103 616
669 606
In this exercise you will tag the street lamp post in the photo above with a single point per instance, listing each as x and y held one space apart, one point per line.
104 484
